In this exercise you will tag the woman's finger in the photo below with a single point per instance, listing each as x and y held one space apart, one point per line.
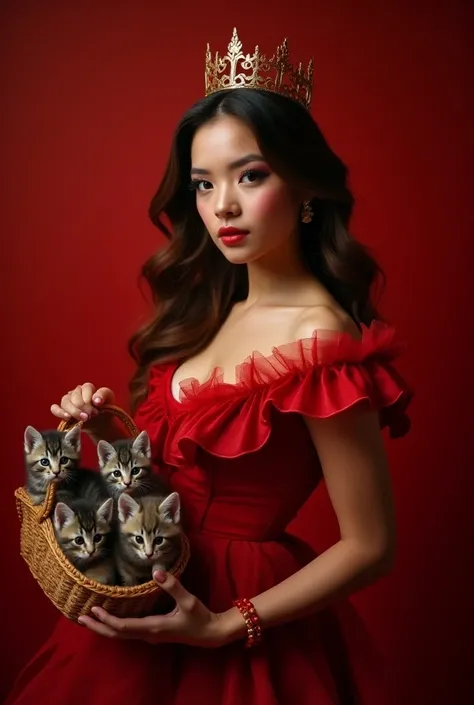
103 395
104 629
79 401
88 390
98 627
72 409
140 627
152 629
76 397
184 599
60 413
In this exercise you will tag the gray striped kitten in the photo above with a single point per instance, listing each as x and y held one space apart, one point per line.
85 534
54 456
149 536
83 515
126 467
50 456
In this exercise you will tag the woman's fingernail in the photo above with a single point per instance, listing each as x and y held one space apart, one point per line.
84 416
160 576
66 415
80 622
98 400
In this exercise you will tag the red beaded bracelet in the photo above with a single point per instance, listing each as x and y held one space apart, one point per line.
252 621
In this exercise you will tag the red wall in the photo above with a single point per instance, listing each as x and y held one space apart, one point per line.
93 91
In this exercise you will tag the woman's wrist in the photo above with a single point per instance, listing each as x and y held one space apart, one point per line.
230 627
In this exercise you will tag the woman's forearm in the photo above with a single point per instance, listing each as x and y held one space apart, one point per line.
338 572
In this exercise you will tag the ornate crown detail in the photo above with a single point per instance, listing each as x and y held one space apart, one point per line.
276 74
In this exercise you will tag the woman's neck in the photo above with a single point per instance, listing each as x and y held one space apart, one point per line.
278 281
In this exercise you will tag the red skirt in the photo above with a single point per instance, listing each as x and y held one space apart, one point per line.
305 662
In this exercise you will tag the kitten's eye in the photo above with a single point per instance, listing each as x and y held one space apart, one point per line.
45 462
117 473
97 538
136 471
139 539
79 540
158 540
63 460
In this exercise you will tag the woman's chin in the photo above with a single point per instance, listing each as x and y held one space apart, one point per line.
237 258
240 255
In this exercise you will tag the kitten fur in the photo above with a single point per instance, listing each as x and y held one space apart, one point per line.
85 534
126 467
54 456
149 536
83 484
50 456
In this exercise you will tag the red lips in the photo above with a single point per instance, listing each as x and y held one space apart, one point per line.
226 231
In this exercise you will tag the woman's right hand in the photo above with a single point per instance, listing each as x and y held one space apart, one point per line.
83 402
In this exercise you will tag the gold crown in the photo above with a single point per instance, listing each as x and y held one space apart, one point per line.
276 74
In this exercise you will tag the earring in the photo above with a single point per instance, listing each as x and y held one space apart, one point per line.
306 212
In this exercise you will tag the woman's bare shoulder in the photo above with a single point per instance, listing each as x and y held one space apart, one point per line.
325 318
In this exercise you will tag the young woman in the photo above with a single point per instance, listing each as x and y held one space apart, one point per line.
264 370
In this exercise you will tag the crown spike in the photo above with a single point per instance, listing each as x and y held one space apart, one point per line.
276 74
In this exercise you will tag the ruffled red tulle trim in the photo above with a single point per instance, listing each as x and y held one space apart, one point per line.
317 377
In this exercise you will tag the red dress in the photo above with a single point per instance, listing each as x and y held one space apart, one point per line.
243 462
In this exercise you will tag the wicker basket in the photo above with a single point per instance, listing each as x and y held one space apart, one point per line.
68 589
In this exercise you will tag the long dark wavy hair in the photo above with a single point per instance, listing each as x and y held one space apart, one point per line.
193 285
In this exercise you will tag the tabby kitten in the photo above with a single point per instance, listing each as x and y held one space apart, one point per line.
149 536
85 535
126 467
50 456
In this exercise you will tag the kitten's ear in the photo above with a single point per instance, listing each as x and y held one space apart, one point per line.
105 451
63 515
73 438
170 508
32 439
127 507
141 444
106 510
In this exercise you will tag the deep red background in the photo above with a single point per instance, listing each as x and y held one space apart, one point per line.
92 93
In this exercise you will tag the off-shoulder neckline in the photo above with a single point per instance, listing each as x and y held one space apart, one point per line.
322 347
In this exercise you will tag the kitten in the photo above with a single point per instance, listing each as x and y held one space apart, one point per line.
85 534
149 536
50 456
126 467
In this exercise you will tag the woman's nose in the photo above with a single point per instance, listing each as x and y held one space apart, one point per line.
226 207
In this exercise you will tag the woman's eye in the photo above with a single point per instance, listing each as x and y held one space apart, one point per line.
79 540
253 175
45 462
139 539
117 473
63 460
200 185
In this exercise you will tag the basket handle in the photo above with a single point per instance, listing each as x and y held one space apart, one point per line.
67 425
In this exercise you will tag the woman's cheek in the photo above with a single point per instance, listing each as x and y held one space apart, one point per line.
266 202
204 212
273 205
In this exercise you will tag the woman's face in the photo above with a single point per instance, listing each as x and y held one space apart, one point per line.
248 210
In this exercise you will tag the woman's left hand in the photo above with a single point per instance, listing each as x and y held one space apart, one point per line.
190 622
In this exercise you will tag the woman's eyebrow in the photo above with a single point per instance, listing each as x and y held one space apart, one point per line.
233 165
